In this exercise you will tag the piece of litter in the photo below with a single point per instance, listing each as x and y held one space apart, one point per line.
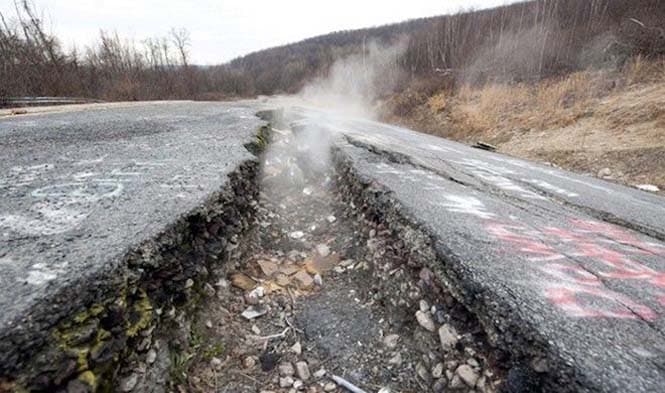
318 280
648 187
253 312
307 191
346 384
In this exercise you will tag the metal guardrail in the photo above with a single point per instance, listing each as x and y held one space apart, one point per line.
13 102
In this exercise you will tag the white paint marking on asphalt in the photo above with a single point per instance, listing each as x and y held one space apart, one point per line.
465 205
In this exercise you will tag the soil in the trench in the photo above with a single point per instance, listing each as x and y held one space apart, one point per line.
325 294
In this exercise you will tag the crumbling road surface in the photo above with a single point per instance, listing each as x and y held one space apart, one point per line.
191 247
565 271
92 203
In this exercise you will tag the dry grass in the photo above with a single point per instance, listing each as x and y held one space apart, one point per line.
585 121
438 102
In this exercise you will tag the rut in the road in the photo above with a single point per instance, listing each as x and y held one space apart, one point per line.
326 291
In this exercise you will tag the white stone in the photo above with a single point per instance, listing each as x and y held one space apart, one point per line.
648 187
391 340
448 337
302 369
468 375
286 382
323 250
286 369
425 320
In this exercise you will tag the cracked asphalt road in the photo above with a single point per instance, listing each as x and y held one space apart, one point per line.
82 187
568 270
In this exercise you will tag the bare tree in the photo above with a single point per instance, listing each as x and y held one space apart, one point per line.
181 39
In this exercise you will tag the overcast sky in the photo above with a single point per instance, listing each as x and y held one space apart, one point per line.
224 29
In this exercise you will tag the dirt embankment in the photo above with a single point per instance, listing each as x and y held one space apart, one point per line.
607 124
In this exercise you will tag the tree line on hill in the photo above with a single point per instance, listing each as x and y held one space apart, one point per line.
514 43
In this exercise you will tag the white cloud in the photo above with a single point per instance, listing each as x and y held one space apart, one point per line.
224 29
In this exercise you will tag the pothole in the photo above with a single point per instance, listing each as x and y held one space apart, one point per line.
329 298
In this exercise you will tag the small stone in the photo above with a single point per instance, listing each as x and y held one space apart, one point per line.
473 363
253 312
209 324
297 348
286 382
77 386
256 330
540 365
329 387
467 374
189 283
242 281
296 235
437 371
286 369
258 292
425 321
298 384
396 360
648 187
424 306
249 362
323 250
448 337
304 279
151 356
331 219
481 385
439 386
302 369
128 384
268 268
456 382
423 374
216 363
605 172
320 373
209 290
391 340
318 280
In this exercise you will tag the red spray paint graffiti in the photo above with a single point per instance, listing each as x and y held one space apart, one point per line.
606 248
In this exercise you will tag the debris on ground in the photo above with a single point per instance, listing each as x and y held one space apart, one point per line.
328 302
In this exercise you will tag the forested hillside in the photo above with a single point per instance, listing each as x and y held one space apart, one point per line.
519 42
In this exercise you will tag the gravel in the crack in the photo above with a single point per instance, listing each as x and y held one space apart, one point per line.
326 293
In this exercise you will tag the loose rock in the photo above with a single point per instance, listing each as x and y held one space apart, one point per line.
448 337
467 375
286 369
302 369
129 383
391 340
425 320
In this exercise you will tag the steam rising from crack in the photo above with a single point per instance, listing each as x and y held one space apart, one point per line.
354 83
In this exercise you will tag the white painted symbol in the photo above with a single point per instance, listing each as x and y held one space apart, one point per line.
466 205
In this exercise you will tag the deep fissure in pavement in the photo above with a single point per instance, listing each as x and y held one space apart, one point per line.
327 289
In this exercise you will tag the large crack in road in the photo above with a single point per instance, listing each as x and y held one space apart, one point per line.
327 291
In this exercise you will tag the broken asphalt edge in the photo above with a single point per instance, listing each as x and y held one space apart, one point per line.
502 324
87 330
